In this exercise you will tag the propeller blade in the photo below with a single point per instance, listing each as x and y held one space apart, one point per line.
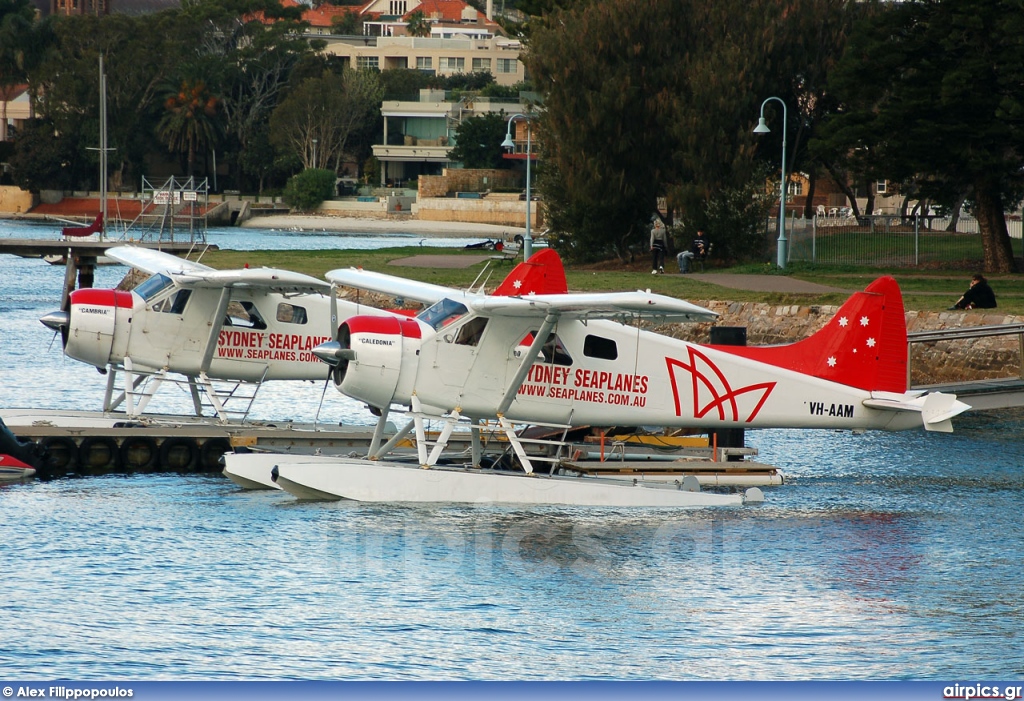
334 313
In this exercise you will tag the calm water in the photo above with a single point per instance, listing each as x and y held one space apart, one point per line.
887 556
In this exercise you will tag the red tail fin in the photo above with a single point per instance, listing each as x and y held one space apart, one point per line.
543 274
864 345
94 228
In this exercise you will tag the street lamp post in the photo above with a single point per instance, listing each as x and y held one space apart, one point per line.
314 153
510 145
762 128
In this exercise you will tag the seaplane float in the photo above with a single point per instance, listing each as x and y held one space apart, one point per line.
565 360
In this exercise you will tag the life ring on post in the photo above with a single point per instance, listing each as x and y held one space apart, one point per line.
97 454
139 454
62 454
179 454
210 453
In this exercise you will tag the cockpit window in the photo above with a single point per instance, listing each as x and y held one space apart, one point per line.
153 286
174 304
469 334
553 351
246 315
442 313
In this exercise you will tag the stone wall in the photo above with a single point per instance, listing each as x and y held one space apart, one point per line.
467 180
931 363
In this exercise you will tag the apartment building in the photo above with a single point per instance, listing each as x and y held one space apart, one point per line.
418 135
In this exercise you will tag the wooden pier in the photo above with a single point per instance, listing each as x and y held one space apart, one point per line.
81 257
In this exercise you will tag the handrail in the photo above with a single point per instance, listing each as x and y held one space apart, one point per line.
966 333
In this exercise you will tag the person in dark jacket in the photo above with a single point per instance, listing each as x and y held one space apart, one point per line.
978 296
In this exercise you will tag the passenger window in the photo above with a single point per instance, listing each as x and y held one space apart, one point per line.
244 315
291 314
598 347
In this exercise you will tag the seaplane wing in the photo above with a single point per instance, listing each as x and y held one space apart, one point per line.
154 262
614 305
370 281
251 278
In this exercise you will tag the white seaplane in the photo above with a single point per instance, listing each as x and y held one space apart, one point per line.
564 360
244 326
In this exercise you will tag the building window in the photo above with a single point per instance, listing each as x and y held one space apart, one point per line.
398 7
481 65
452 65
881 187
795 188
507 65
424 63
367 62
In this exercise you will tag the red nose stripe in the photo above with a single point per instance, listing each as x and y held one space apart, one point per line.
102 298
409 328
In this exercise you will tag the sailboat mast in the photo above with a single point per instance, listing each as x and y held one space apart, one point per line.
103 147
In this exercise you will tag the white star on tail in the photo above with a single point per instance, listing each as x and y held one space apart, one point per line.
832 361
843 321
863 321
517 284
871 343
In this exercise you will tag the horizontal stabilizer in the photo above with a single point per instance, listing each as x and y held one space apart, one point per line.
936 408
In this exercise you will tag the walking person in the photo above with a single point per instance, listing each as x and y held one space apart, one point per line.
978 296
659 245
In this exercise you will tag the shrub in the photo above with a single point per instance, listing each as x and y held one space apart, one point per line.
307 190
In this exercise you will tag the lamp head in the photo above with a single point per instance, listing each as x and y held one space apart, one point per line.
761 127
508 144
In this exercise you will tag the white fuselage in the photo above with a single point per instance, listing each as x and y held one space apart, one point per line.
605 373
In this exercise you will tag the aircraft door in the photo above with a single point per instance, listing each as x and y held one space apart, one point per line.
457 352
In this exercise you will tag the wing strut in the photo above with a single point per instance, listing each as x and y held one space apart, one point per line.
215 323
531 355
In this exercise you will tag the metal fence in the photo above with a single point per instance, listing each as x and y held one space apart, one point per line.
889 240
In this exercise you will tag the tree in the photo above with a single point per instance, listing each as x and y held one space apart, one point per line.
643 100
931 93
328 109
190 121
23 42
418 26
478 141
348 23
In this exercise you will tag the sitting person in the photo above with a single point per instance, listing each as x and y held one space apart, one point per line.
978 296
699 250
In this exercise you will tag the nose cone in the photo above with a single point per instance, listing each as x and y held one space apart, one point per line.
332 353
56 320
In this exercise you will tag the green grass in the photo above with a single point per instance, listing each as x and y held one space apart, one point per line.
924 290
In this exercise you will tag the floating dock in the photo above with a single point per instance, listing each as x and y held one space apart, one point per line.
97 443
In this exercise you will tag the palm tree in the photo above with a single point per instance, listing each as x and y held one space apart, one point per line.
418 25
190 122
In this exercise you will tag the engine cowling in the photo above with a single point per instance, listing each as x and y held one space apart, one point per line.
382 363
93 317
